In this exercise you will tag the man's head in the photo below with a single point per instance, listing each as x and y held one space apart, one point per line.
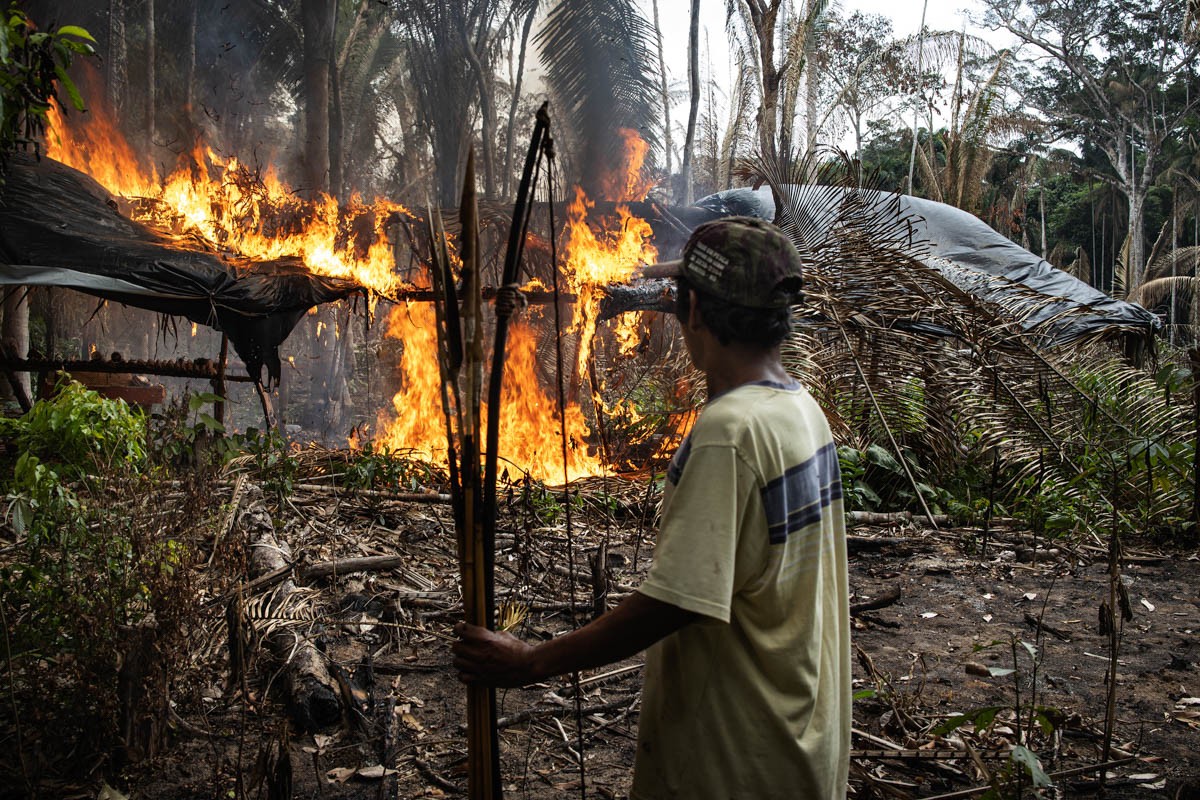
744 275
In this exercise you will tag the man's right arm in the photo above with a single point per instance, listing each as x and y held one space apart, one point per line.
501 659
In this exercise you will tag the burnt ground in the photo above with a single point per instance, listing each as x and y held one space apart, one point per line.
917 662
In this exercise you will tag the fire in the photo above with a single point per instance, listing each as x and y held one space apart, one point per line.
595 254
233 206
530 425
608 253
598 258
629 182
94 145
242 210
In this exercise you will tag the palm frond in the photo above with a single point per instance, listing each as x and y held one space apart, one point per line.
905 352
1122 278
1180 261
600 59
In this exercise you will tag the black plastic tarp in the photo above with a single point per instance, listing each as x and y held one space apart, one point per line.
60 228
971 255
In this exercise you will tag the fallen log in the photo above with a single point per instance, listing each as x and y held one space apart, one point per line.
906 517
279 574
865 544
882 601
401 497
314 695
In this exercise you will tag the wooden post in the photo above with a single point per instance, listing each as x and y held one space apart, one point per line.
268 409
218 383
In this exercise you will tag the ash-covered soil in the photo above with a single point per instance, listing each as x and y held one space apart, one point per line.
953 643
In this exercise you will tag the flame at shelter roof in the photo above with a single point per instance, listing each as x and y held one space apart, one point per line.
60 228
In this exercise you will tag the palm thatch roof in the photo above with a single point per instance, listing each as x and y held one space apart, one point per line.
927 338
961 248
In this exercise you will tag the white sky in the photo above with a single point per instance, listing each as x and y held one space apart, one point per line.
674 17
905 15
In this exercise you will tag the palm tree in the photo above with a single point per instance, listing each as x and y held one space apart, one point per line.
1172 285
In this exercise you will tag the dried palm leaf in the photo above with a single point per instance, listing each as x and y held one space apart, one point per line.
901 348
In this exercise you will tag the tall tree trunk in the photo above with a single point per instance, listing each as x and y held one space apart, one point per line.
15 333
858 143
810 80
116 65
317 18
336 133
516 97
912 156
694 107
151 80
1139 191
666 97
763 15
487 109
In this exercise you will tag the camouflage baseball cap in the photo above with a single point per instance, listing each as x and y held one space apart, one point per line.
741 260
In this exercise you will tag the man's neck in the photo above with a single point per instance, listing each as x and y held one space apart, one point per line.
729 367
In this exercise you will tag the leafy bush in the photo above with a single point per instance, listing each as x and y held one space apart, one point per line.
272 458
384 469
98 581
80 430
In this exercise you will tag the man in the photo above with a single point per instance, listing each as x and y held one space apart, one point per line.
747 685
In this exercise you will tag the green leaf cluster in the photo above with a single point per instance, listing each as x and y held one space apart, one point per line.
33 69
100 571
79 431
67 447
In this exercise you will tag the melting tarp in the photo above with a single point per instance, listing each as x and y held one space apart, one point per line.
968 253
60 228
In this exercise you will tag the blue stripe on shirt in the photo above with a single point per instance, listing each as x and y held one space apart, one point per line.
679 460
799 497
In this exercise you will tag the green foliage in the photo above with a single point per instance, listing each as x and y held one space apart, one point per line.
1031 719
33 68
858 494
542 504
184 435
1093 440
272 459
386 470
874 480
67 445
99 575
1131 452
79 430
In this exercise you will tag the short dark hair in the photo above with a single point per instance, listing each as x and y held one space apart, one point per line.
757 327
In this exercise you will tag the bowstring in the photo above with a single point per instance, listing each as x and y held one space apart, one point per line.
562 417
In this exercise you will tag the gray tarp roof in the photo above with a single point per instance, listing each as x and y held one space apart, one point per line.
971 255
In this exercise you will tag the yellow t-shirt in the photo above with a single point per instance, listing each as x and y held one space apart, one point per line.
752 701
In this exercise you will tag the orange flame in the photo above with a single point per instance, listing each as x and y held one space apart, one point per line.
232 206
530 425
608 253
241 210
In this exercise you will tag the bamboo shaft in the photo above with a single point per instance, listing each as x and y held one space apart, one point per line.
483 747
